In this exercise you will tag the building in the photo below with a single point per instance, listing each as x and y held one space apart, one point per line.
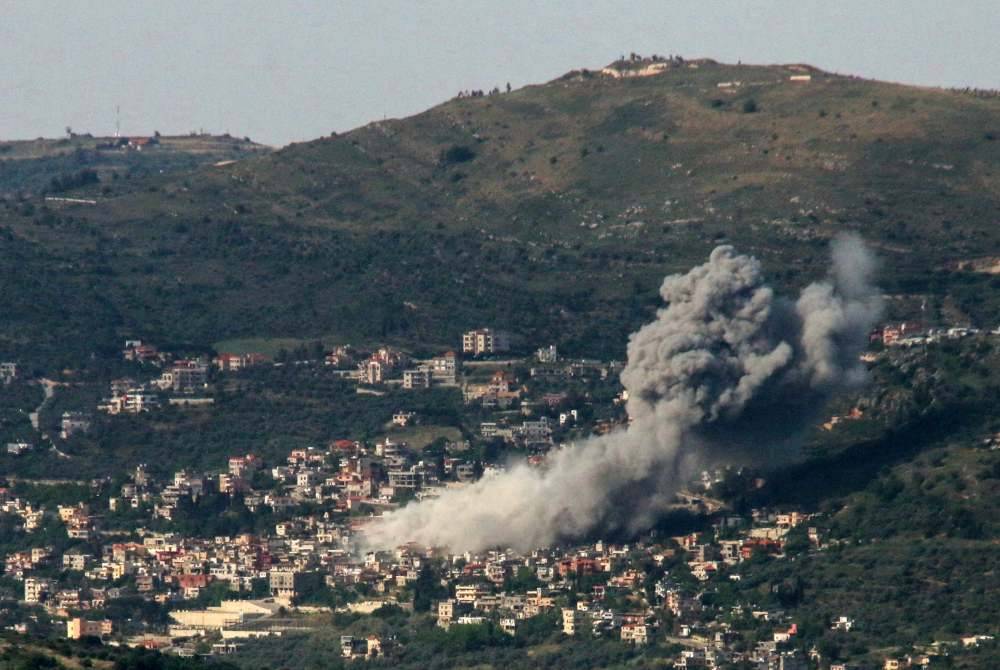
572 620
469 593
372 372
485 341
135 350
352 647
287 583
131 401
72 423
403 419
79 628
187 376
236 362
409 478
445 613
18 448
636 633
8 372
418 378
36 589
547 354
444 368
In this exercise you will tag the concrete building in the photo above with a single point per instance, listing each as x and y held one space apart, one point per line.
444 368
79 628
36 589
286 583
485 341
572 620
418 378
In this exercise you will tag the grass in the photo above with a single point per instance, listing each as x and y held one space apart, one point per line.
419 437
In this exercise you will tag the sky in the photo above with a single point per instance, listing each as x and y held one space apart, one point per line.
280 71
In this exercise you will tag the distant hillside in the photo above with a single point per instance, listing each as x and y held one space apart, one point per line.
553 210
51 166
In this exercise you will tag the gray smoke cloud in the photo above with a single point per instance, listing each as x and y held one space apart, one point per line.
702 380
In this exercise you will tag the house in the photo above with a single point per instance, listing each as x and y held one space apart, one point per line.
18 448
418 378
572 619
636 633
547 354
72 423
185 376
287 583
469 593
235 362
133 400
372 372
77 628
8 372
485 341
136 351
36 589
444 368
843 623
403 419
367 648
445 613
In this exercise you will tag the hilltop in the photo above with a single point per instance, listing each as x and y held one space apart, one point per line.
53 166
553 210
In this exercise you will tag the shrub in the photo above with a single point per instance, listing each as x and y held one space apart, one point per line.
456 153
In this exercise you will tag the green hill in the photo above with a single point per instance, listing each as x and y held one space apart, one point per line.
553 211
52 167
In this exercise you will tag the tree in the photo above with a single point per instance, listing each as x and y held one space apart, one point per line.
426 589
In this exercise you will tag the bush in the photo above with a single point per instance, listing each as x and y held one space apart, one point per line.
455 154
750 106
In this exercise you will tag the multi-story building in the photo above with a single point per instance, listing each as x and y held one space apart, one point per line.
445 613
444 368
79 628
187 376
571 620
418 378
485 341
36 589
373 372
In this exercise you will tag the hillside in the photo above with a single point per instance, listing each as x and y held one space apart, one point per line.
553 210
52 166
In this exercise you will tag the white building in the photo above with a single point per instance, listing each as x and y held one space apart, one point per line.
418 378
485 341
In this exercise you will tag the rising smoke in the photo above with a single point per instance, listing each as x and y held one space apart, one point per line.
709 380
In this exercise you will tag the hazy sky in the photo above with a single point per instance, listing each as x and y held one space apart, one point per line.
281 71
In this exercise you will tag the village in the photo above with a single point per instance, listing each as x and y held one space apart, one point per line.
298 556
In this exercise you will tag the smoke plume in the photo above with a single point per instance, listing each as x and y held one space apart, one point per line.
711 379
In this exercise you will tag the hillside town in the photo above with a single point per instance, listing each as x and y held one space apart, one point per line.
297 556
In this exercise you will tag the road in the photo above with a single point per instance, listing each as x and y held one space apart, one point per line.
49 388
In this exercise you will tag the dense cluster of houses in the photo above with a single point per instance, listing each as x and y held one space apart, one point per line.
306 551
321 497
